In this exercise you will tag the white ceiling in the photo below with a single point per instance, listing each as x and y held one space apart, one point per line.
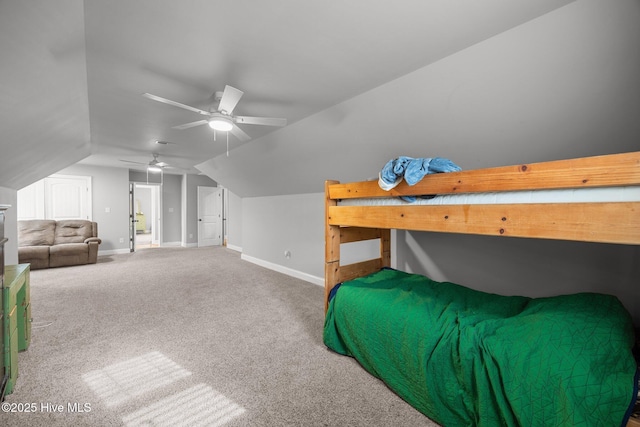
72 73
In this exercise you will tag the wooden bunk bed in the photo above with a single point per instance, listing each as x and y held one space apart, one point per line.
616 222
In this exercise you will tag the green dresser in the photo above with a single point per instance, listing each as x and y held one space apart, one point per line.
17 318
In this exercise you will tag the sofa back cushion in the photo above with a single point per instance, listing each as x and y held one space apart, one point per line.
73 231
36 232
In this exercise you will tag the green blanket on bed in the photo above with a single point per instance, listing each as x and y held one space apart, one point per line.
464 357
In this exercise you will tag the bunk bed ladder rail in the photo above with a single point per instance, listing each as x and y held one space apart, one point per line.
335 235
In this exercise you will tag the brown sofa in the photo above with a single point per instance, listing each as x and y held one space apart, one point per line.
47 243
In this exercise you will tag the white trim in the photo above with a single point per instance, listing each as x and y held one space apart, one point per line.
114 252
170 244
234 247
285 270
189 245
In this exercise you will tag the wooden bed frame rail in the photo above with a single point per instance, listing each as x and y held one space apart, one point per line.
615 222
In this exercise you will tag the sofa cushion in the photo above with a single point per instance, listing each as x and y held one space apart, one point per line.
37 256
36 232
72 231
34 252
68 254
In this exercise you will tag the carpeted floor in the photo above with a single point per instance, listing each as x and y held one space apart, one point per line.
188 337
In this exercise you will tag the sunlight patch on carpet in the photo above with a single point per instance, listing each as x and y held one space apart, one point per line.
122 381
197 406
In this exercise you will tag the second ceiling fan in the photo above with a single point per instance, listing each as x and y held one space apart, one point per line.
222 118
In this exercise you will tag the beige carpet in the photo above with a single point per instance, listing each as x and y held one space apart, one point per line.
188 337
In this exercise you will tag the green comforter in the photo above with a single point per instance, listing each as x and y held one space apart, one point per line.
464 357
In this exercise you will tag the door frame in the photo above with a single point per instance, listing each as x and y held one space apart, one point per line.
156 210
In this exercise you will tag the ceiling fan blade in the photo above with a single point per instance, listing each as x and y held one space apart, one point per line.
230 98
240 134
267 121
190 125
176 104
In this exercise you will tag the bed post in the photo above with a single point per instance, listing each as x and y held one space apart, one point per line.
331 247
385 247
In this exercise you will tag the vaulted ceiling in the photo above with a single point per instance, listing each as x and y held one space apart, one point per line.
73 73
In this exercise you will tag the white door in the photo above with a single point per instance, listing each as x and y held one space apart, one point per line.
56 197
31 201
209 216
67 197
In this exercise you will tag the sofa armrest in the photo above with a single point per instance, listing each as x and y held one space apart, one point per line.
92 244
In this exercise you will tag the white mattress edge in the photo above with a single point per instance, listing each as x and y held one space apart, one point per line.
580 195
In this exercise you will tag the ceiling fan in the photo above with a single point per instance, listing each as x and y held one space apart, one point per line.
222 119
153 166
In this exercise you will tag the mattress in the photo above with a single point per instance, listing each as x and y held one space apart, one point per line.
580 195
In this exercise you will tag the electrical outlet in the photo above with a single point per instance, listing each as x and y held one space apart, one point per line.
122 240
287 254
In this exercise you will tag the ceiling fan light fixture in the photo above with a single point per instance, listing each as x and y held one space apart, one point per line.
155 169
221 123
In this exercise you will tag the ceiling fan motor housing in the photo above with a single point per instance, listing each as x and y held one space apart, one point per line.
221 122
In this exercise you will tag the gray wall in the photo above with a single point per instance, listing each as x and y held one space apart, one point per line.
234 221
294 223
172 209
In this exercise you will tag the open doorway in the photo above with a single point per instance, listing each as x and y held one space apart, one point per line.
146 225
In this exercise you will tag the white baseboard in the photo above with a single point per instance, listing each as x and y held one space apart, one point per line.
114 252
189 245
170 244
234 248
284 270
